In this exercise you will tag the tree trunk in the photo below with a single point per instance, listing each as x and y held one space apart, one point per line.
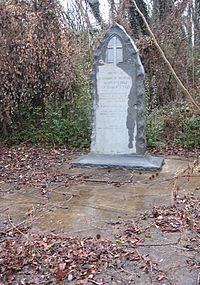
94 5
197 23
135 19
161 9
112 8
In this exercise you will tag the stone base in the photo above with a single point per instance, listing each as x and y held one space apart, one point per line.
138 162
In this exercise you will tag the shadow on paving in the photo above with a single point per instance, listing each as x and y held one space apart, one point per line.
128 227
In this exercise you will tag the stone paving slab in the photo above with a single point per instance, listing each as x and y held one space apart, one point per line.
98 201
88 206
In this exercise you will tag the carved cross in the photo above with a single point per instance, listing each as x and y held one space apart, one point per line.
114 53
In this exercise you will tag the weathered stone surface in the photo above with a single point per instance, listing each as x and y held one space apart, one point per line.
118 96
139 162
118 126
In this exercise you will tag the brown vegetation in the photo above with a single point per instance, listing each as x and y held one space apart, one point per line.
39 57
46 52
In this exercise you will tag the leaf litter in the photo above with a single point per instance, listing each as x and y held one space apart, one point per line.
28 257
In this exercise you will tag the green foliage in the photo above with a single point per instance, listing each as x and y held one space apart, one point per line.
64 122
174 117
154 128
172 124
28 128
154 118
190 134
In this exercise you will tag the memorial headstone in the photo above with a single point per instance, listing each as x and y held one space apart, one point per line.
118 126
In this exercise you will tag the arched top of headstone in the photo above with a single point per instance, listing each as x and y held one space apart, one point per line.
117 47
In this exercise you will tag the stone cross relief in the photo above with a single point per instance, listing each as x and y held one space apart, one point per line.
114 52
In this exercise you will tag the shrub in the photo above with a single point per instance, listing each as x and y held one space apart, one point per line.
172 125
154 128
39 57
174 116
190 134
69 124
64 123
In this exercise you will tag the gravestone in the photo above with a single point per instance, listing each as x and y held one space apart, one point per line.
118 127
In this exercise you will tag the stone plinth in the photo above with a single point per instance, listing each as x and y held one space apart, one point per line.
138 162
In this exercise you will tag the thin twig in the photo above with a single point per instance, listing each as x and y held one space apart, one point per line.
4 210
185 248
164 244
88 230
114 210
7 230
94 282
14 227
198 279
151 272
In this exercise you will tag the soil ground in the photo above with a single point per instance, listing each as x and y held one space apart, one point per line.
97 226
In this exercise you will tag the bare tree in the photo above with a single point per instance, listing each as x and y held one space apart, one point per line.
197 23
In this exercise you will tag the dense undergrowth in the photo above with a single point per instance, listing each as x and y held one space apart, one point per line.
46 62
63 125
175 125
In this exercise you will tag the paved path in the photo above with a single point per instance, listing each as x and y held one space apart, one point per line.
93 198
87 202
